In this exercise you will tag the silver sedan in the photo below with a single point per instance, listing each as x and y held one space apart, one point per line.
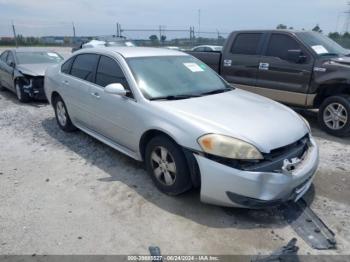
189 126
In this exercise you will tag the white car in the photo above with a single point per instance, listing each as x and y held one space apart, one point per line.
189 126
207 48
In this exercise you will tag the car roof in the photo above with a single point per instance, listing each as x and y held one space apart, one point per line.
272 31
129 52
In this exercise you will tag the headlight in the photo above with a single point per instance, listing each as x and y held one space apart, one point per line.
228 147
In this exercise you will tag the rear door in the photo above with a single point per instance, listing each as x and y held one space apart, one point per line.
280 79
76 85
241 58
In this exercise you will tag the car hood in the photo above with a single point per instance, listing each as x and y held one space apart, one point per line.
342 60
255 119
33 69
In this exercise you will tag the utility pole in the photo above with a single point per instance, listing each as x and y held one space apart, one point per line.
160 34
199 22
73 32
118 33
14 34
347 20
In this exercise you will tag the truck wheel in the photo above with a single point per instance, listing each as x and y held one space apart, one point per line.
21 95
167 166
62 117
334 115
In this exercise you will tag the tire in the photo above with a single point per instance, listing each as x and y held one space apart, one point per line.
334 115
21 95
62 116
1 87
167 166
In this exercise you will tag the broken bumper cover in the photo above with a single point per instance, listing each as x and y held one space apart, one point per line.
226 186
35 88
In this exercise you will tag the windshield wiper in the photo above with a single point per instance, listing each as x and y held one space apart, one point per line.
217 91
174 97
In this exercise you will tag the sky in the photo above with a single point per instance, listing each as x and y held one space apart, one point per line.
99 17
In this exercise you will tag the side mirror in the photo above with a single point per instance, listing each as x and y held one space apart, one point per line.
296 56
12 64
116 89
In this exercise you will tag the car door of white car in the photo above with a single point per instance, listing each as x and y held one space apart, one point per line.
115 116
76 87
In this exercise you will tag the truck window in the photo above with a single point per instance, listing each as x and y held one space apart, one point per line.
279 45
246 44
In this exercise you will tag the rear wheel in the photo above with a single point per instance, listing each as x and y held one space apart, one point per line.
334 115
167 166
21 95
1 87
62 116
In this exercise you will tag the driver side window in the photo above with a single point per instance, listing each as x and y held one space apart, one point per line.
109 72
280 44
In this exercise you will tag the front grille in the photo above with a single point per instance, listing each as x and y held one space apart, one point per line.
272 162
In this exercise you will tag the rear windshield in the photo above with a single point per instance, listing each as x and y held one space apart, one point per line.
38 57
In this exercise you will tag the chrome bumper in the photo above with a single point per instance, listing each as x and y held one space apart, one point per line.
266 188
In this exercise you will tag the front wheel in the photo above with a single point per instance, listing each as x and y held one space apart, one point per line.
62 116
22 96
334 115
167 166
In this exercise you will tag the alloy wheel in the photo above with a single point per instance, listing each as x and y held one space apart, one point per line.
335 116
61 113
163 165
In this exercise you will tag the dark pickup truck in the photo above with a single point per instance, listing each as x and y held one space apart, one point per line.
298 68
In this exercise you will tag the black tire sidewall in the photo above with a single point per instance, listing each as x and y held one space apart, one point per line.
24 96
183 178
344 100
69 127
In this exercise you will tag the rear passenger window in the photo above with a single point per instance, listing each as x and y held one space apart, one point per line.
246 44
67 66
84 67
3 56
109 72
279 45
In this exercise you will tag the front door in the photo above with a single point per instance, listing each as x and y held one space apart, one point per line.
115 117
280 78
8 71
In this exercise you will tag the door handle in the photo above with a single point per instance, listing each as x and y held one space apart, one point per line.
264 66
95 94
65 82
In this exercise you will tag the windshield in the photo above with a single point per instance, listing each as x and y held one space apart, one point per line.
161 77
38 57
322 45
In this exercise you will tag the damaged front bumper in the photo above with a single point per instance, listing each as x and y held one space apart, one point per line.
226 186
34 87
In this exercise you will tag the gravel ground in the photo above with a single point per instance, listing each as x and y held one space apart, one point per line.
70 194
